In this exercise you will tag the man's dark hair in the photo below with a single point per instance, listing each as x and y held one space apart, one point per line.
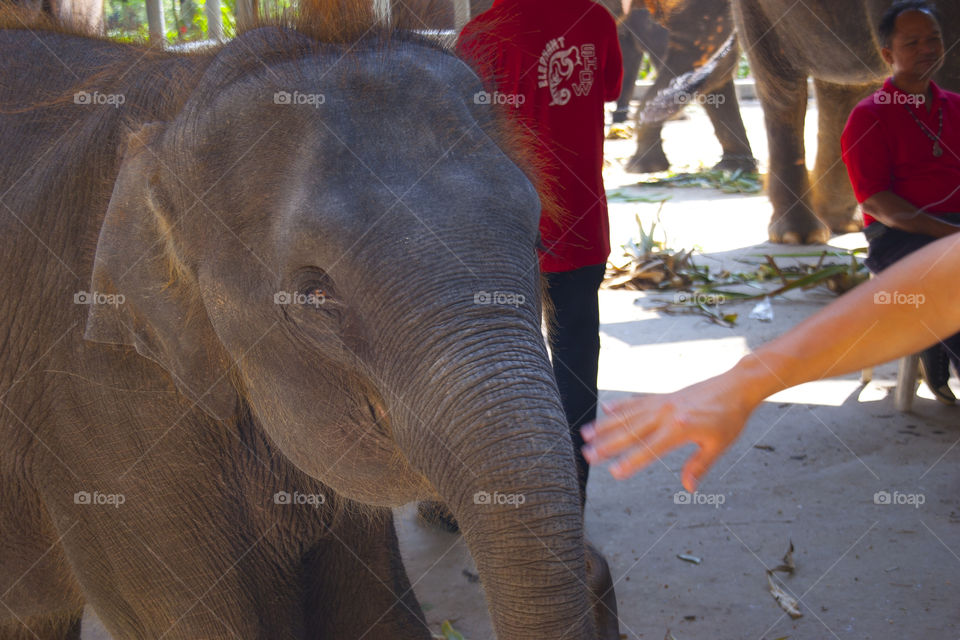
888 22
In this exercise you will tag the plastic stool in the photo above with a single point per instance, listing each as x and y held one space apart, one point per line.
906 388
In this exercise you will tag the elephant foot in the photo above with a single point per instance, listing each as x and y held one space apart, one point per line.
731 162
648 161
844 221
799 226
437 515
620 115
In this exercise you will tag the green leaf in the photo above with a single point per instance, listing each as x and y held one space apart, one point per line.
449 633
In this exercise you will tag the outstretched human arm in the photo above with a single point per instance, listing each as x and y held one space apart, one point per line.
907 308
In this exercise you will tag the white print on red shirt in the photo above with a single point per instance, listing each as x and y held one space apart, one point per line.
556 69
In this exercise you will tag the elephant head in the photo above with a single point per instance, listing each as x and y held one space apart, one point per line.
333 236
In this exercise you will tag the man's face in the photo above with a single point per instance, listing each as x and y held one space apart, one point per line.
916 48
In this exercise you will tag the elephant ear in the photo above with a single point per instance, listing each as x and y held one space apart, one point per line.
143 295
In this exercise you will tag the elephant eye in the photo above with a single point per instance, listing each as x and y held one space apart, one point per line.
314 295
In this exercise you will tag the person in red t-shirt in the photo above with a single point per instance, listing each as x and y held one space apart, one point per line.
557 62
902 150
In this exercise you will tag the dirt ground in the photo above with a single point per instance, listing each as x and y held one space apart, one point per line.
866 567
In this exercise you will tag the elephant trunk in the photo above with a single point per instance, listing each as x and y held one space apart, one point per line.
502 460
679 91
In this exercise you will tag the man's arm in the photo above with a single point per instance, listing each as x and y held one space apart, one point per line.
895 212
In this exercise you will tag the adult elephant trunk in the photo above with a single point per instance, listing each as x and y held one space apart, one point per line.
703 79
488 430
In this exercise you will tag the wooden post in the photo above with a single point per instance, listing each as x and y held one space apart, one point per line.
158 32
461 13
214 20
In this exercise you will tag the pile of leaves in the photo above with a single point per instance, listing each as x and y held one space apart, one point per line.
648 265
738 181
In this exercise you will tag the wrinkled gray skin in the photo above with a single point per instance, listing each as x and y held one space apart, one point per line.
198 398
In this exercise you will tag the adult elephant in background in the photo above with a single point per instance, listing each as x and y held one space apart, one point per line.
837 44
80 15
247 309
694 52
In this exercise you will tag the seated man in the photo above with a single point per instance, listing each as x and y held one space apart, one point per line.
902 150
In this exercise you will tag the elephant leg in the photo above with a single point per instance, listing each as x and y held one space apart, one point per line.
39 597
782 89
632 57
649 157
370 595
788 184
724 113
832 195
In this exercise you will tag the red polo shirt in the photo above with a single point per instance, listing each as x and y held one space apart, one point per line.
557 62
885 149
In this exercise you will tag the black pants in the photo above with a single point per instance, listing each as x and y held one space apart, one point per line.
575 346
893 245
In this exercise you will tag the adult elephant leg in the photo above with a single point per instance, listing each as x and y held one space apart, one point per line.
788 184
724 112
782 89
832 195
632 57
649 156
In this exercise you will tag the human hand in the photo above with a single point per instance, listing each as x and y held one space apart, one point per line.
639 430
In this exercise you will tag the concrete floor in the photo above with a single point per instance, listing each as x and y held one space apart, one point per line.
864 570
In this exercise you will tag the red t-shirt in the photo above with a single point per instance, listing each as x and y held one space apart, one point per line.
556 62
885 149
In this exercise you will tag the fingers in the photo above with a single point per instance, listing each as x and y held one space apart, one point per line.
617 416
697 466
616 442
613 434
658 444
